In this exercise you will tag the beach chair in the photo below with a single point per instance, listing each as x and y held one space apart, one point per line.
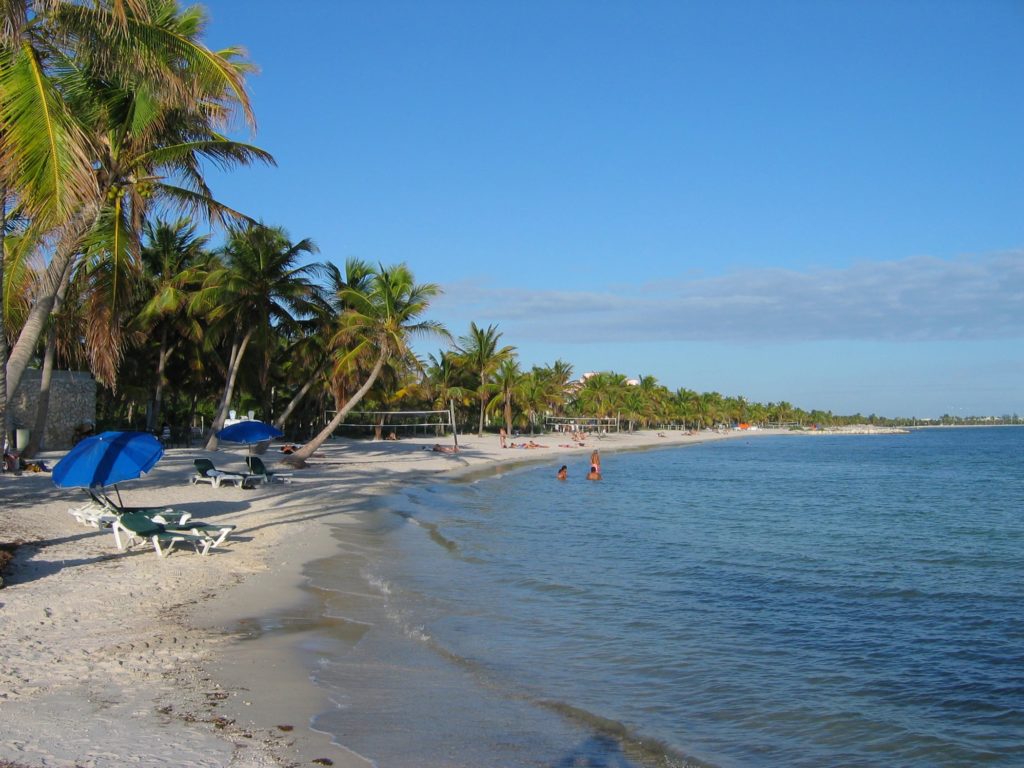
112 507
172 519
100 511
138 526
94 514
207 473
260 472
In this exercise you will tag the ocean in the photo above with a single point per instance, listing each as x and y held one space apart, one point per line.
763 601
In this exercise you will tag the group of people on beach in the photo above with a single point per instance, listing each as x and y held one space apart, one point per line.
593 474
503 441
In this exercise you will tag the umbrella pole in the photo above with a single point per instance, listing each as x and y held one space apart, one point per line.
118 492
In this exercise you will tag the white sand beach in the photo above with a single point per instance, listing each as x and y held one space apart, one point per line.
114 658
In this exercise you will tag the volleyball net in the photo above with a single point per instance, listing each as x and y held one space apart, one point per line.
394 424
594 424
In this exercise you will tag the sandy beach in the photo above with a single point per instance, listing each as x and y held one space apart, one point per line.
116 657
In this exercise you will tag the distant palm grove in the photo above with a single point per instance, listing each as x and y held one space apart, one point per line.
110 110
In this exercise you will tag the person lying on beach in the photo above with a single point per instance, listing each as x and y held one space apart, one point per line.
563 473
594 474
289 448
438 448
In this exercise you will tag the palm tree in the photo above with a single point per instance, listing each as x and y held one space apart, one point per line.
378 325
508 380
782 411
479 351
259 286
558 378
107 107
602 395
310 352
169 280
654 399
444 381
536 392
708 408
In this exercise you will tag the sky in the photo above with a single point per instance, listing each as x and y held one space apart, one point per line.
817 202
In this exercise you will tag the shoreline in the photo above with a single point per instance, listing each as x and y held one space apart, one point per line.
176 645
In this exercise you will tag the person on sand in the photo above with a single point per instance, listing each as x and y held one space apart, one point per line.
563 473
595 473
12 462
502 437
438 448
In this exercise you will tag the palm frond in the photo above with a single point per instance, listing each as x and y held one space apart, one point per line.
141 45
111 267
202 205
43 150
223 153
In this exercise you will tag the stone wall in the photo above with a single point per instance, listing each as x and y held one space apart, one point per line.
72 403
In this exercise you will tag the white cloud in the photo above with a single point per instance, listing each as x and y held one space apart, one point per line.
914 299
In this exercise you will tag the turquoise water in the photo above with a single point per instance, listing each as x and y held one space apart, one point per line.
799 601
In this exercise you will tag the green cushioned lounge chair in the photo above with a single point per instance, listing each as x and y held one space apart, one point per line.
172 519
206 472
260 472
139 526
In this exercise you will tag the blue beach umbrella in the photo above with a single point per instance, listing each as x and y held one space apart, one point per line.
249 432
106 459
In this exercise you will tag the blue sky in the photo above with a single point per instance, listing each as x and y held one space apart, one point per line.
812 201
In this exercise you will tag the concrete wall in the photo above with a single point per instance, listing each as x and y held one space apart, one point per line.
72 403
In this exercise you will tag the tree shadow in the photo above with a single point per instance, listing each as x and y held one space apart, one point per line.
37 497
33 570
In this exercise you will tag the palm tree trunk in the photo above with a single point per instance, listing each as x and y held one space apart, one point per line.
483 405
3 330
158 390
193 407
56 271
43 405
298 459
234 363
280 421
46 376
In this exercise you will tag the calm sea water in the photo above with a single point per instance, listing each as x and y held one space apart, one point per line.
768 601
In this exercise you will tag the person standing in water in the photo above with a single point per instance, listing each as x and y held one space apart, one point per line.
595 461
563 473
